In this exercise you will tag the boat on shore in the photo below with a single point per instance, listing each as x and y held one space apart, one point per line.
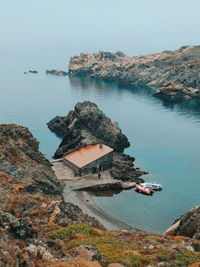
153 186
142 189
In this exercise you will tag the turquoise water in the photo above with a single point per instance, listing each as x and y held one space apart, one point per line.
164 137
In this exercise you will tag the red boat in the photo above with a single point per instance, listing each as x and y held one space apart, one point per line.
147 191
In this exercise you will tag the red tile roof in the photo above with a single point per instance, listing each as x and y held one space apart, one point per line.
88 154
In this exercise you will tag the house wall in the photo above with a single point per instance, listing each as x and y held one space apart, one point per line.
71 165
103 163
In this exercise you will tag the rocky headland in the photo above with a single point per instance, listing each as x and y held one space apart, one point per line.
175 74
88 125
39 228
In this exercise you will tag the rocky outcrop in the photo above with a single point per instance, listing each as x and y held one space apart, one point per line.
124 169
58 125
33 71
87 125
56 72
177 91
21 159
31 196
176 74
189 224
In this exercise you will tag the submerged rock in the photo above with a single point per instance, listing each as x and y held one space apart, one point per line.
176 74
33 71
87 125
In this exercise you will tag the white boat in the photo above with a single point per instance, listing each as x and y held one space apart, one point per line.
153 186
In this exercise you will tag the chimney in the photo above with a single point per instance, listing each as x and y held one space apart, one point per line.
100 146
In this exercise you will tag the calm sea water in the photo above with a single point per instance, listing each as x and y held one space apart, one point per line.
164 137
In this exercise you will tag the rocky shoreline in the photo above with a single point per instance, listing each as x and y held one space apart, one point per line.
88 125
174 74
40 227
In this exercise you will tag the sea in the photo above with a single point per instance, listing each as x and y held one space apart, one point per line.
164 136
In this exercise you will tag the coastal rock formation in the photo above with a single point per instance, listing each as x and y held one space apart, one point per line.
124 169
31 196
87 125
189 224
176 74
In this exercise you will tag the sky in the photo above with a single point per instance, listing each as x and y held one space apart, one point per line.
135 27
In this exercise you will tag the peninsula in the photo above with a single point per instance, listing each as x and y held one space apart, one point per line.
174 74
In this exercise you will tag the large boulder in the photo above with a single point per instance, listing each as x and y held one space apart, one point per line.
87 125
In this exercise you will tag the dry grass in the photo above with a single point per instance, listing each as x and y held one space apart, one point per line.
78 262
128 249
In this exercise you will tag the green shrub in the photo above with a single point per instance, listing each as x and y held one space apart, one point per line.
71 230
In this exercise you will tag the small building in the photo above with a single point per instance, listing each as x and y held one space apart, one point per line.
90 159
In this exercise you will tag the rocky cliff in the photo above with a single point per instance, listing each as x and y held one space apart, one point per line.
87 125
176 74
31 199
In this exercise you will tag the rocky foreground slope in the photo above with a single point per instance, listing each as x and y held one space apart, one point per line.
176 74
87 125
30 199
37 228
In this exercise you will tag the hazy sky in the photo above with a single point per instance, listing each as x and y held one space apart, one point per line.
135 27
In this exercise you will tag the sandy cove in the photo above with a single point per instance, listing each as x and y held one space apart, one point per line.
76 192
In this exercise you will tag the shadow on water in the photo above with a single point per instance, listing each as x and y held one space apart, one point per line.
108 193
189 107
186 107
103 86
